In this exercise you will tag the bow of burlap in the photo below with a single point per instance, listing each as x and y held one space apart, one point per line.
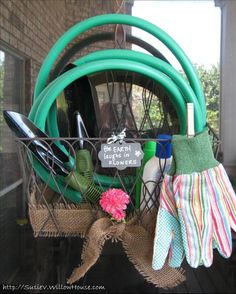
137 240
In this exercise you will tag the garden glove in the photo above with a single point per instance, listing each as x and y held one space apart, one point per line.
168 243
167 240
223 202
203 205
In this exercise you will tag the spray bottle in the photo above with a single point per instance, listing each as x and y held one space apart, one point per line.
149 150
154 170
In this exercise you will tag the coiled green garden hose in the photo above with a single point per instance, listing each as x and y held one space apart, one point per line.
179 90
61 82
99 20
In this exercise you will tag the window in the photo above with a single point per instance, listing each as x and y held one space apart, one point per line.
11 98
11 196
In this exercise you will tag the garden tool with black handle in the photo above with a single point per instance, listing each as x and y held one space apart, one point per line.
50 155
79 98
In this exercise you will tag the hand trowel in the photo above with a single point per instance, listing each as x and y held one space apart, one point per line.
50 155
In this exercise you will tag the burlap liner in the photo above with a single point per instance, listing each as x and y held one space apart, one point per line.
81 220
61 220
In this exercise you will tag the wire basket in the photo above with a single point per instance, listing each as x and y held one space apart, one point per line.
53 214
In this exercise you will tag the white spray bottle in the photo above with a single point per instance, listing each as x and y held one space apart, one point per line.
154 169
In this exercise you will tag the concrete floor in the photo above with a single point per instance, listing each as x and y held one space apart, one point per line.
51 261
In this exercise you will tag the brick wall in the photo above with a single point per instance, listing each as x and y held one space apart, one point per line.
31 27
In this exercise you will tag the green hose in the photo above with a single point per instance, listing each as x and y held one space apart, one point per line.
53 90
180 92
99 20
116 64
154 62
145 59
135 56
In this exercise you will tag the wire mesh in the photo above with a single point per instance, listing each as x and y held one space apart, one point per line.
43 197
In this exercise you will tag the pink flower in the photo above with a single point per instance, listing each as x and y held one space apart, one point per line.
114 202
118 215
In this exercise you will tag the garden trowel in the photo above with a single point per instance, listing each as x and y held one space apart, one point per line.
50 155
